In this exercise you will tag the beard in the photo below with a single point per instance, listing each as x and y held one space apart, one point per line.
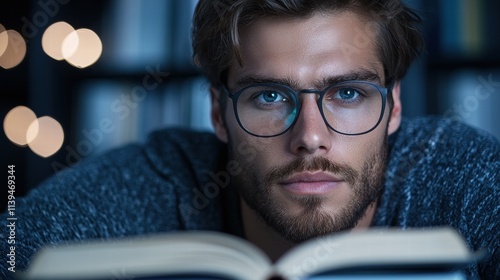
365 186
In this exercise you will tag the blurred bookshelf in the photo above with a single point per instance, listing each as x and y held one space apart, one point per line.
464 34
460 70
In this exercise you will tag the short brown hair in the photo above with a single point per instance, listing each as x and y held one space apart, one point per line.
216 23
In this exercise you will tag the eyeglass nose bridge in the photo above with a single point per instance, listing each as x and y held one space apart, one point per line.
298 106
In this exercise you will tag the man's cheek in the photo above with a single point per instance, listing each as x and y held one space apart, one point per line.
246 151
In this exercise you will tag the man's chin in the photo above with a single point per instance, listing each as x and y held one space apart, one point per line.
301 217
298 204
308 224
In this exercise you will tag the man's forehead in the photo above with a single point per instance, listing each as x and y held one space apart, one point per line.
323 45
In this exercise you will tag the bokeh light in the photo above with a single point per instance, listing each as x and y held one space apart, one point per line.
49 138
88 48
53 37
15 51
44 135
70 44
16 123
4 40
80 48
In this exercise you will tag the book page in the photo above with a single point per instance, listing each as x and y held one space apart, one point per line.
193 253
375 248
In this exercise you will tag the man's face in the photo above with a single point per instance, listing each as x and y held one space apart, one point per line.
310 180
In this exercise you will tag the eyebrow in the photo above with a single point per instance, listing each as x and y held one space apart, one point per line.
358 75
257 79
361 74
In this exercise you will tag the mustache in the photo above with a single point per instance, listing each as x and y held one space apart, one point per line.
278 173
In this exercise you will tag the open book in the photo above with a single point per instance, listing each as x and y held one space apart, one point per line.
415 253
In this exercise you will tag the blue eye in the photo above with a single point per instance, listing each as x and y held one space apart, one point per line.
348 93
269 96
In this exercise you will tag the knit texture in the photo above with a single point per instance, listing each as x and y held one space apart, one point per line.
439 172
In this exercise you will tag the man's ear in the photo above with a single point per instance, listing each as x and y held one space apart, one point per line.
217 115
395 114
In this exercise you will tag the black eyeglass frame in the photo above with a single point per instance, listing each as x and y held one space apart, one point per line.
384 92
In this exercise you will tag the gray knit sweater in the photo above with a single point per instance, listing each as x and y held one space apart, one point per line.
439 173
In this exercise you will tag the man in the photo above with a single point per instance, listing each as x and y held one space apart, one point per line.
309 140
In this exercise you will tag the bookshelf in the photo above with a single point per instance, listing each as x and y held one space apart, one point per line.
462 53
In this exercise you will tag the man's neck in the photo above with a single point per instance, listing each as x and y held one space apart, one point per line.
273 244
367 218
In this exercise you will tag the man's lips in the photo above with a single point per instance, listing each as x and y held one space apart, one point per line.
311 183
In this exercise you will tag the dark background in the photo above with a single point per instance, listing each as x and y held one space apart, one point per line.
141 37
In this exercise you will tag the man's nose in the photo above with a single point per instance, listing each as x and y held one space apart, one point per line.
310 134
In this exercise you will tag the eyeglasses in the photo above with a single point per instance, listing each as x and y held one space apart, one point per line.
349 108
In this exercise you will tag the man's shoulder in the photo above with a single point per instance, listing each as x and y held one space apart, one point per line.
443 172
181 136
167 164
162 150
439 169
156 173
449 140
198 148
438 165
443 150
